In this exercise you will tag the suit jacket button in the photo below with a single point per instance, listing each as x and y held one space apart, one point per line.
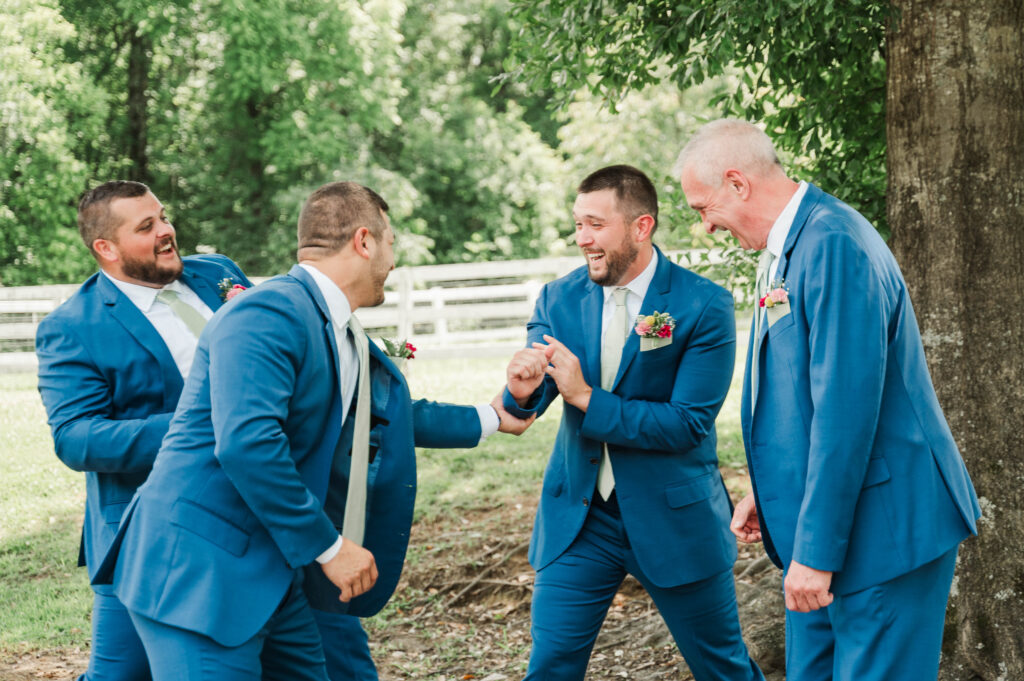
586 502
593 461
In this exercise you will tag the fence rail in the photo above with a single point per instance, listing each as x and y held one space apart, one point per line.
476 309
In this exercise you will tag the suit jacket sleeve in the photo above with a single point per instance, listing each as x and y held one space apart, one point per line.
438 425
256 351
702 380
846 312
78 404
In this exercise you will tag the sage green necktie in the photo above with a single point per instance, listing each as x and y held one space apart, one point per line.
354 524
611 356
185 312
764 265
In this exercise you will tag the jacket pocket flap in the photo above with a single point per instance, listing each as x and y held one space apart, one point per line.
878 472
690 492
209 526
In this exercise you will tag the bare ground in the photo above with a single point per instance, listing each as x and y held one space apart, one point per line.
462 611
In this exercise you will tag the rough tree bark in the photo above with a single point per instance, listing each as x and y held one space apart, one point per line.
139 60
955 129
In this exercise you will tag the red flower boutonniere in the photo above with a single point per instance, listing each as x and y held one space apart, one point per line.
399 349
655 330
229 289
777 295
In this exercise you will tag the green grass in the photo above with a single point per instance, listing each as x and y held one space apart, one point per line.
45 600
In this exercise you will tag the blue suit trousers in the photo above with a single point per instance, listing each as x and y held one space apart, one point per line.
572 595
892 630
287 648
117 653
345 646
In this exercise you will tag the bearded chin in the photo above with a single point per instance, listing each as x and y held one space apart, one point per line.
152 273
616 264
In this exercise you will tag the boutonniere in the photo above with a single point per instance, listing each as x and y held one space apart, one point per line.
777 295
229 289
399 349
655 330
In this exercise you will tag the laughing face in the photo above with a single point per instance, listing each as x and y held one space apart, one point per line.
143 243
606 238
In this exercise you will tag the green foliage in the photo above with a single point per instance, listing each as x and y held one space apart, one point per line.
813 72
46 106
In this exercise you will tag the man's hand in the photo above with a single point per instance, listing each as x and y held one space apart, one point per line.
745 523
565 369
353 570
525 373
807 588
508 423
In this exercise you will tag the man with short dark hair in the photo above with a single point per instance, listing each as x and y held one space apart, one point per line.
642 353
112 362
292 447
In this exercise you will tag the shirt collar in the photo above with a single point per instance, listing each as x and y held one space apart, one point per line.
141 296
780 230
640 283
337 301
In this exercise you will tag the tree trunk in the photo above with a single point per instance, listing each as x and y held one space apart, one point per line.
955 129
139 59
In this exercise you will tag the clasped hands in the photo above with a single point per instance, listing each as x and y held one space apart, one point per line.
806 589
530 365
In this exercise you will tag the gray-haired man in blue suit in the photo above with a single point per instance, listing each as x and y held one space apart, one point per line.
860 494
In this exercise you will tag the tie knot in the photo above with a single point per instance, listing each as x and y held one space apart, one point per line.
765 261
354 325
619 294
167 296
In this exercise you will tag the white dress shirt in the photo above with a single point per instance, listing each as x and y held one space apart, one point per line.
637 290
340 311
780 230
176 335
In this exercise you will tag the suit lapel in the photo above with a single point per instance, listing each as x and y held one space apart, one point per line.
145 334
592 307
657 298
202 288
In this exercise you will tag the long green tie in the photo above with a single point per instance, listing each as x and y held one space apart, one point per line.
611 356
185 312
354 523
764 265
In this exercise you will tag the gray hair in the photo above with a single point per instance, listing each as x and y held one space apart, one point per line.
723 144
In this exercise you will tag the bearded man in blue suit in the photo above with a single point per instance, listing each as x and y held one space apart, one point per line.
860 493
632 485
253 475
112 362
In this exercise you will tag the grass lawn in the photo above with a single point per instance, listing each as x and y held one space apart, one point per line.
45 600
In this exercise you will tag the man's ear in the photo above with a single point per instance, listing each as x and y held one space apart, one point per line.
106 250
737 183
643 225
360 241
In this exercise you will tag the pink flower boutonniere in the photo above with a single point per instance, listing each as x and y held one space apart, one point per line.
655 330
229 289
777 295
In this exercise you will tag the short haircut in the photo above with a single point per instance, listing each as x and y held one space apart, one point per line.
333 213
634 190
723 144
95 219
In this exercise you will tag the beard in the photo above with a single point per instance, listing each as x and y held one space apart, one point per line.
378 277
150 271
616 263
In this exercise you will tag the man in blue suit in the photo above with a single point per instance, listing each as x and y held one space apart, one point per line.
112 362
860 494
253 474
632 485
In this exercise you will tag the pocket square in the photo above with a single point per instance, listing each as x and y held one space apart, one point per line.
776 313
654 343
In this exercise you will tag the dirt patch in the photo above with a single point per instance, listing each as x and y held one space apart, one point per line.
462 610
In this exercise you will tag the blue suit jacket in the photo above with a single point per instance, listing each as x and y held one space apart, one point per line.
235 502
855 470
109 386
658 421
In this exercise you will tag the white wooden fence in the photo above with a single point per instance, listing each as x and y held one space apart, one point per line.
476 309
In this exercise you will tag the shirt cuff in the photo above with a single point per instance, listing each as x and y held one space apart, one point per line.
488 420
330 553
